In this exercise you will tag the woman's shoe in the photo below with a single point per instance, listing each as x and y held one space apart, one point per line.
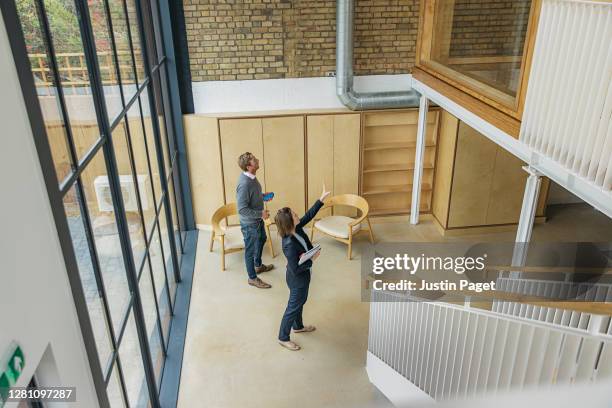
305 329
289 345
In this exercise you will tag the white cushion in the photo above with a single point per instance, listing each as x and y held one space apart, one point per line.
336 226
233 238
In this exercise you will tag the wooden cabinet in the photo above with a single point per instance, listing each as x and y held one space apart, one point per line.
333 156
388 152
477 183
467 179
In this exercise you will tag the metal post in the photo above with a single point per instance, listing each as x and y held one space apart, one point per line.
527 217
418 160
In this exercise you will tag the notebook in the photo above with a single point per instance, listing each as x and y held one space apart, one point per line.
309 254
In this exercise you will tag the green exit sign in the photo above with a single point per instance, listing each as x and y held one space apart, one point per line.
10 370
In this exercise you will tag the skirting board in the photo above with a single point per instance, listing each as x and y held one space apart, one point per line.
397 389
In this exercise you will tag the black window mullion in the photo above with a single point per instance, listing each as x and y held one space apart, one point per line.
129 35
159 326
156 134
115 186
121 381
46 31
144 228
109 25
161 248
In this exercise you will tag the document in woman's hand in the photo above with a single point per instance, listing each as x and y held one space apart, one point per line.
312 252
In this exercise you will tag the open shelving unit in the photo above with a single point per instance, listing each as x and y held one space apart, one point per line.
387 160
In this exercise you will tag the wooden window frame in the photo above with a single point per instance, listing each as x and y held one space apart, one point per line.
463 84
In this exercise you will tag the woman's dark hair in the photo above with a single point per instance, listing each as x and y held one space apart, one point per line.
284 221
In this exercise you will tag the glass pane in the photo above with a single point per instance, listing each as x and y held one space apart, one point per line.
139 152
162 122
481 40
73 73
135 35
147 295
159 279
106 59
130 355
46 87
83 253
102 219
163 225
124 52
113 390
128 191
151 146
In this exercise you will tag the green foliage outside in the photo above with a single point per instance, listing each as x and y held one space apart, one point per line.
64 25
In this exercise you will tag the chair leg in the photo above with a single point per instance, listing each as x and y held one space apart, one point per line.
270 241
222 253
370 230
212 241
312 231
350 247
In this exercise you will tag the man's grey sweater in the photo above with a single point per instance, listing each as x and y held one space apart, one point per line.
249 198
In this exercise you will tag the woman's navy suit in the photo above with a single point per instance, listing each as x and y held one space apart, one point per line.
298 276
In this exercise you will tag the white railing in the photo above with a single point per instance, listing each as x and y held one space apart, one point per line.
599 292
568 108
454 352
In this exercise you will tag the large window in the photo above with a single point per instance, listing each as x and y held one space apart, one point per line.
99 69
477 45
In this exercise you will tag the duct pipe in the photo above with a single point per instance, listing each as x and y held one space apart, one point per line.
344 70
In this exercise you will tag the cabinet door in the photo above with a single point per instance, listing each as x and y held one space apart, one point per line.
474 165
320 148
283 145
447 140
346 158
239 136
506 189
204 163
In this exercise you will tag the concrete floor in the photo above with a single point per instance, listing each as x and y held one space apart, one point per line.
232 358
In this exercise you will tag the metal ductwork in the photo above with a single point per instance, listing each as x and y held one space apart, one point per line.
344 70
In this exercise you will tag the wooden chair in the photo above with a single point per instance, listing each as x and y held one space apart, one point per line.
343 228
230 235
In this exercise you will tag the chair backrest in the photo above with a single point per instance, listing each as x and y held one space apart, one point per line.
351 200
220 214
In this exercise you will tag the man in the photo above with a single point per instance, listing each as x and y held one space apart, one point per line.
249 199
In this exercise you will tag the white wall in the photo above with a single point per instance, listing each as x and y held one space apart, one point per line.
284 94
36 306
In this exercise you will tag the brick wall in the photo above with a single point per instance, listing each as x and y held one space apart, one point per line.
489 27
259 39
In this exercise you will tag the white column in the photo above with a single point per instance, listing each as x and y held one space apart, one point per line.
418 160
527 217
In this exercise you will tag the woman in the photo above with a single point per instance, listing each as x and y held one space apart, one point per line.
295 244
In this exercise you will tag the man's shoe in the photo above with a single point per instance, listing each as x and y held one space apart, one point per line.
264 268
305 329
258 283
289 345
